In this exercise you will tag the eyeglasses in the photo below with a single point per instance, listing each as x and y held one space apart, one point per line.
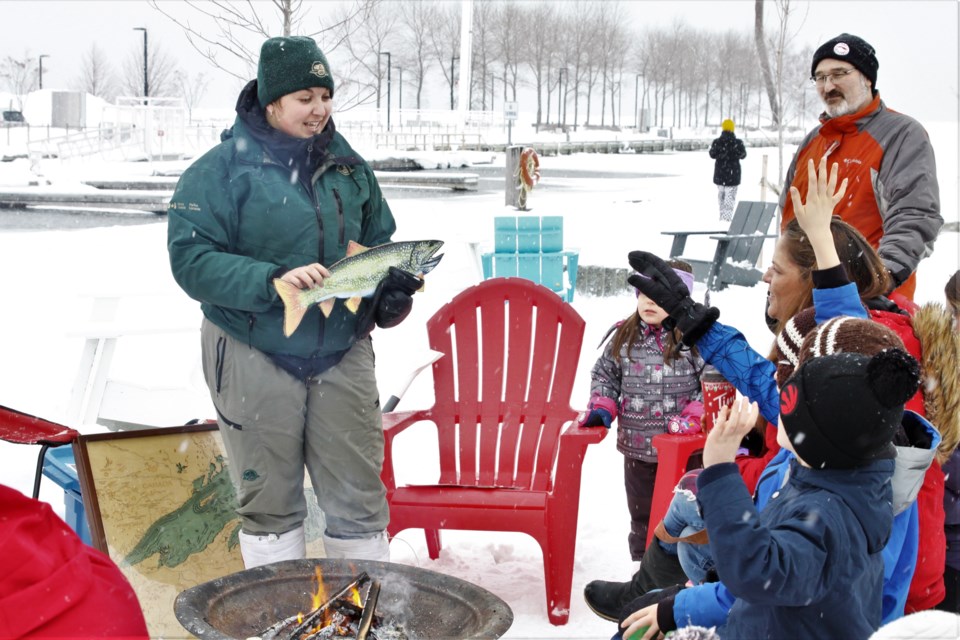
835 76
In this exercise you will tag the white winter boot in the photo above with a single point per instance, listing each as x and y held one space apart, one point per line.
373 548
264 549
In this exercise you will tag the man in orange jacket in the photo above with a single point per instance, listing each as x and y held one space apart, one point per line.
892 192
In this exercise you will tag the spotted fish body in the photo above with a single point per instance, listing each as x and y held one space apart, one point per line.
356 277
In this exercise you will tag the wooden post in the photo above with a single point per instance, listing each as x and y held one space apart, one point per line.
763 198
763 181
511 177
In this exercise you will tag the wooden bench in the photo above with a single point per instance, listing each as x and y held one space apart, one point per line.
531 247
738 248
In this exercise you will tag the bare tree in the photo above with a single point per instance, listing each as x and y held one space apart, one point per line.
509 35
229 33
445 43
192 88
161 72
19 75
537 49
96 75
419 18
581 29
483 54
371 39
760 38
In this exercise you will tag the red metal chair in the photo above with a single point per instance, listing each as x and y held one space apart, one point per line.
673 459
502 400
22 428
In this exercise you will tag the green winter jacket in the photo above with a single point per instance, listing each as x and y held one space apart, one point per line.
240 217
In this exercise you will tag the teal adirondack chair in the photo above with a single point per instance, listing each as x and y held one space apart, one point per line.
531 247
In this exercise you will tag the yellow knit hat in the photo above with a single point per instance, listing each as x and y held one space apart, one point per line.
727 125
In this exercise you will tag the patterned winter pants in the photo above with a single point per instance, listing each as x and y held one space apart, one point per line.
727 198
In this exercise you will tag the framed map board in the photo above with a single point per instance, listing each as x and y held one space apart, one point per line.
160 503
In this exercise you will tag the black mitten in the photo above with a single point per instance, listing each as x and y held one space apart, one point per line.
395 299
659 282
391 302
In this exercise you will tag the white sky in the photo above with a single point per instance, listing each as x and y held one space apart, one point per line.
916 40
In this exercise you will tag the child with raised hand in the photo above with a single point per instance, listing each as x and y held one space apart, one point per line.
646 382
815 549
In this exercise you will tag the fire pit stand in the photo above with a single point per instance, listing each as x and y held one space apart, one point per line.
425 603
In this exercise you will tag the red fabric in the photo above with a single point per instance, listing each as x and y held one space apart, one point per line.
55 586
751 467
927 587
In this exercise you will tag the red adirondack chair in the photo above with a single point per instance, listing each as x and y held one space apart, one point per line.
502 402
22 428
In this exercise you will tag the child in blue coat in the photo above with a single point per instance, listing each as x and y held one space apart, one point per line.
815 549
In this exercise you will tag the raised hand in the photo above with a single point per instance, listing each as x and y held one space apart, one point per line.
814 216
732 424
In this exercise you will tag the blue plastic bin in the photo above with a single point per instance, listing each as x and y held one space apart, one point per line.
60 467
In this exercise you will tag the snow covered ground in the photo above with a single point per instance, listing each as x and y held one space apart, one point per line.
48 277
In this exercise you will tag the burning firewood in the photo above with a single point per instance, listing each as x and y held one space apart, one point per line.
339 617
369 607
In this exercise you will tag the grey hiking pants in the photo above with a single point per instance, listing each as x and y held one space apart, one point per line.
273 424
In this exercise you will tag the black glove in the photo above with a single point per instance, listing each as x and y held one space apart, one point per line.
391 302
656 596
664 286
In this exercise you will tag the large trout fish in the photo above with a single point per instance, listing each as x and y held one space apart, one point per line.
356 277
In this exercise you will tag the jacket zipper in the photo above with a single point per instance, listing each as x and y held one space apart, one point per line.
316 206
342 230
221 351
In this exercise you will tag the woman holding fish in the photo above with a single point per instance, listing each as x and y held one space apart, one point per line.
276 205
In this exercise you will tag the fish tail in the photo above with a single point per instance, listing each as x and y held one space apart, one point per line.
293 307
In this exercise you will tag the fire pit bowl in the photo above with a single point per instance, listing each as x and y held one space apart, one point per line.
427 604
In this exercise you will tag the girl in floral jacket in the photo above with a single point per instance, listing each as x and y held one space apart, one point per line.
646 382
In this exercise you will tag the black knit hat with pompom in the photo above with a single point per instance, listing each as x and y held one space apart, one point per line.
841 411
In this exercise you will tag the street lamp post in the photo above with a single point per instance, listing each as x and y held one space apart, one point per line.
560 73
452 60
42 56
636 104
146 82
387 53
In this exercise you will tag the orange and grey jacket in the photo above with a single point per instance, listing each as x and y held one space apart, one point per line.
892 193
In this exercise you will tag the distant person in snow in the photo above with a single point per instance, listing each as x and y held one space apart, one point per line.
281 197
892 195
727 151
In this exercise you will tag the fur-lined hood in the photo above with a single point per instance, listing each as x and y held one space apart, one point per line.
933 326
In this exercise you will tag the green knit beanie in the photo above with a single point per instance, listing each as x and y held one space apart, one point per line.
288 64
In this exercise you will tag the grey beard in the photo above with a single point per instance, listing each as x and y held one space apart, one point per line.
840 109
844 107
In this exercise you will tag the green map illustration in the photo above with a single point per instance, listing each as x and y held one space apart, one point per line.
167 506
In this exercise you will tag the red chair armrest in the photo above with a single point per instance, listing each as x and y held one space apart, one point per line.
573 447
394 423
